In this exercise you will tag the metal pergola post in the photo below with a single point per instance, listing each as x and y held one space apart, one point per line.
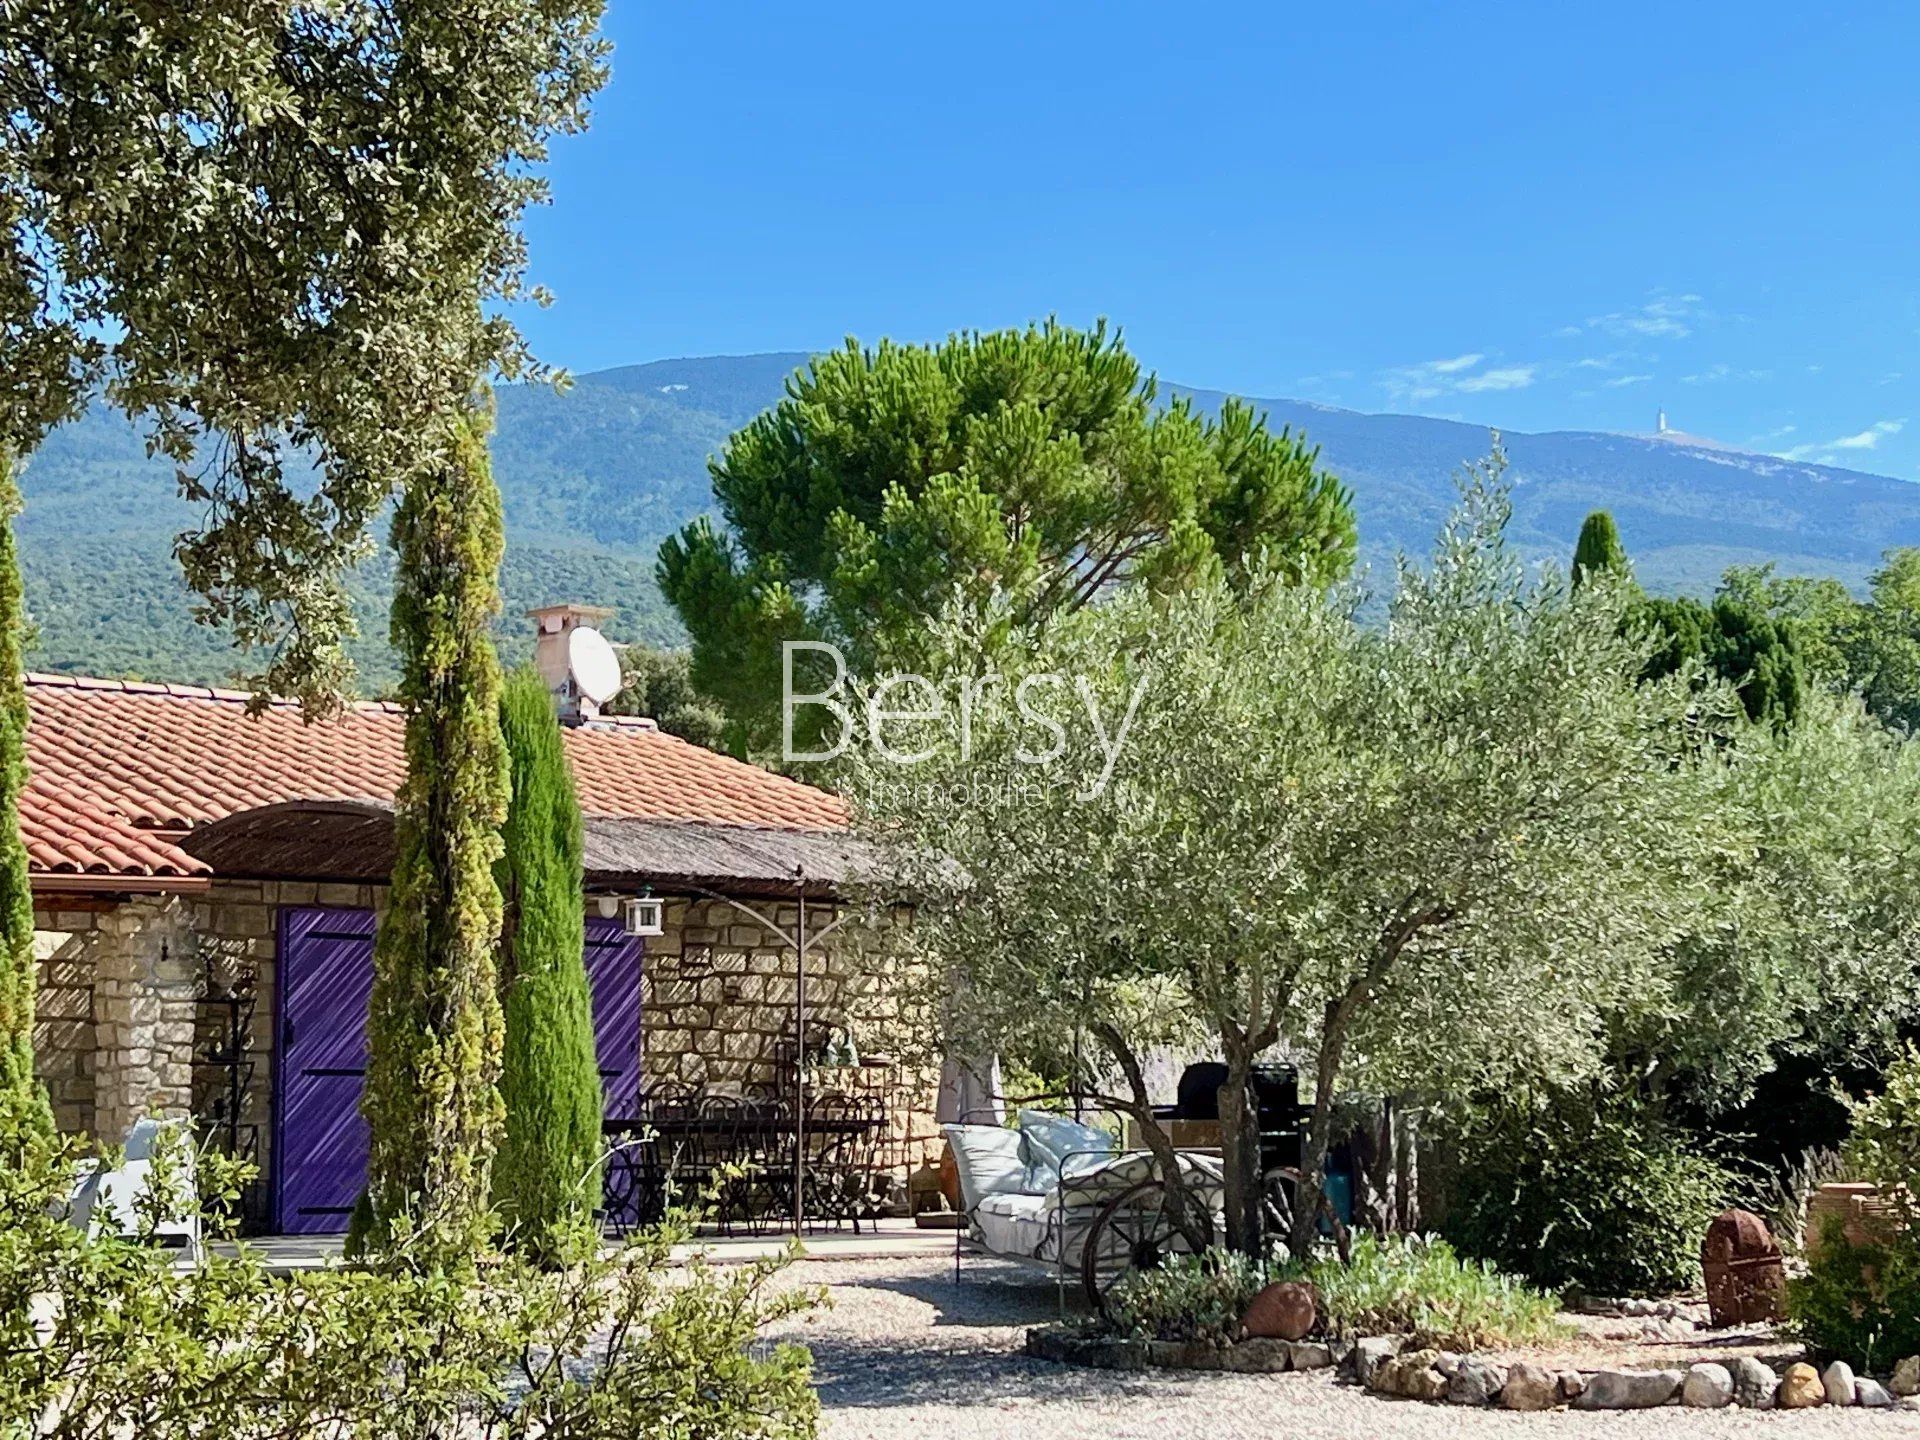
800 1055
800 941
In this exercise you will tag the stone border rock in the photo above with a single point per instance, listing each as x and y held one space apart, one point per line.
1388 1366
1069 1346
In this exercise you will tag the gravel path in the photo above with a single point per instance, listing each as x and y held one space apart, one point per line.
904 1354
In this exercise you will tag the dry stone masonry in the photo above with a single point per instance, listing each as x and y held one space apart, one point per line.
123 1017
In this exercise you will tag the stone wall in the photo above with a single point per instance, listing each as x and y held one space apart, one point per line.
115 1018
719 1014
125 1027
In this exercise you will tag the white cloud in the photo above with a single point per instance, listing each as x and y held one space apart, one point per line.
1828 451
1511 377
1716 373
1617 381
1664 317
1450 376
1868 438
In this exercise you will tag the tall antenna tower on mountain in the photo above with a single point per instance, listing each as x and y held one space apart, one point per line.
1661 427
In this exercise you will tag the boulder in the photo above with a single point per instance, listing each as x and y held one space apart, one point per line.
1872 1394
1530 1387
1475 1382
1707 1387
1800 1387
1261 1355
1446 1362
1628 1389
1412 1375
1572 1385
1837 1380
1906 1377
1373 1352
1283 1311
1754 1383
1309 1355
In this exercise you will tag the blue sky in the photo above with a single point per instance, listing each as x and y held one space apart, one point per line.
1541 216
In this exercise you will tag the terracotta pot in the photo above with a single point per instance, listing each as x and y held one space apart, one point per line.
1864 1215
950 1177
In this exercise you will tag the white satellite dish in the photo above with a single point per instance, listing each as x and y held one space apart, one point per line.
592 665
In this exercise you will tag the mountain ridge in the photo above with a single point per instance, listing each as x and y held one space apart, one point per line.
593 477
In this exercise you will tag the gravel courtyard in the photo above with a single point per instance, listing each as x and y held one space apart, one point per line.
904 1354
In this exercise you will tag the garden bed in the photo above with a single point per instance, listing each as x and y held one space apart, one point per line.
1071 1345
1605 1365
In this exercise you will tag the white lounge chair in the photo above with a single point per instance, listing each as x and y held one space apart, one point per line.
108 1200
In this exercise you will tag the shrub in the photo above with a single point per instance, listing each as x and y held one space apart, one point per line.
1861 1302
546 1181
1858 1303
1595 1192
106 1336
1186 1297
1417 1285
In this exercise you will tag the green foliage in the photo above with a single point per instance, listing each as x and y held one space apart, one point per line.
1758 656
1429 855
1871 647
1598 551
1885 1144
1186 1297
275 236
546 1180
1579 1188
433 1062
1409 1284
659 684
110 1336
23 1101
1029 468
1805 923
1858 1303
1861 1302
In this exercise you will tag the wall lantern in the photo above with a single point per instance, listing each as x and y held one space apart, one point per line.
644 915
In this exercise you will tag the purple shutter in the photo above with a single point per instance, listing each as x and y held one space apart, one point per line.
613 972
326 980
326 976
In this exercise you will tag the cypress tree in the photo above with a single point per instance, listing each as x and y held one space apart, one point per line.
432 1098
24 1116
545 1179
1598 549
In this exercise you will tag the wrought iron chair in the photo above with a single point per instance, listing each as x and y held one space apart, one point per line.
845 1183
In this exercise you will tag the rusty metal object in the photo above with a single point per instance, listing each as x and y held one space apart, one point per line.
1746 1284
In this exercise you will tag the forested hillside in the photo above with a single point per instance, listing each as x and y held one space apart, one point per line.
594 477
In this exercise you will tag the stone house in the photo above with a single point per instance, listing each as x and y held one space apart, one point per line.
206 890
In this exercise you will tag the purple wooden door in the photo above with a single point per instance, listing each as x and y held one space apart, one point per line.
613 971
326 976
326 979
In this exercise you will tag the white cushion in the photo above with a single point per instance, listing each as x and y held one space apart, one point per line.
989 1160
1053 1140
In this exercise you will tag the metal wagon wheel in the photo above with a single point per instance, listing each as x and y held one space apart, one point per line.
1282 1197
1135 1230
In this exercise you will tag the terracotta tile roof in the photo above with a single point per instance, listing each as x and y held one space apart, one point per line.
121 769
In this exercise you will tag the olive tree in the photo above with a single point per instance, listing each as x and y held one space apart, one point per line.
1422 855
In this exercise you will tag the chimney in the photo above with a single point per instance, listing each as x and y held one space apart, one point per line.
557 656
